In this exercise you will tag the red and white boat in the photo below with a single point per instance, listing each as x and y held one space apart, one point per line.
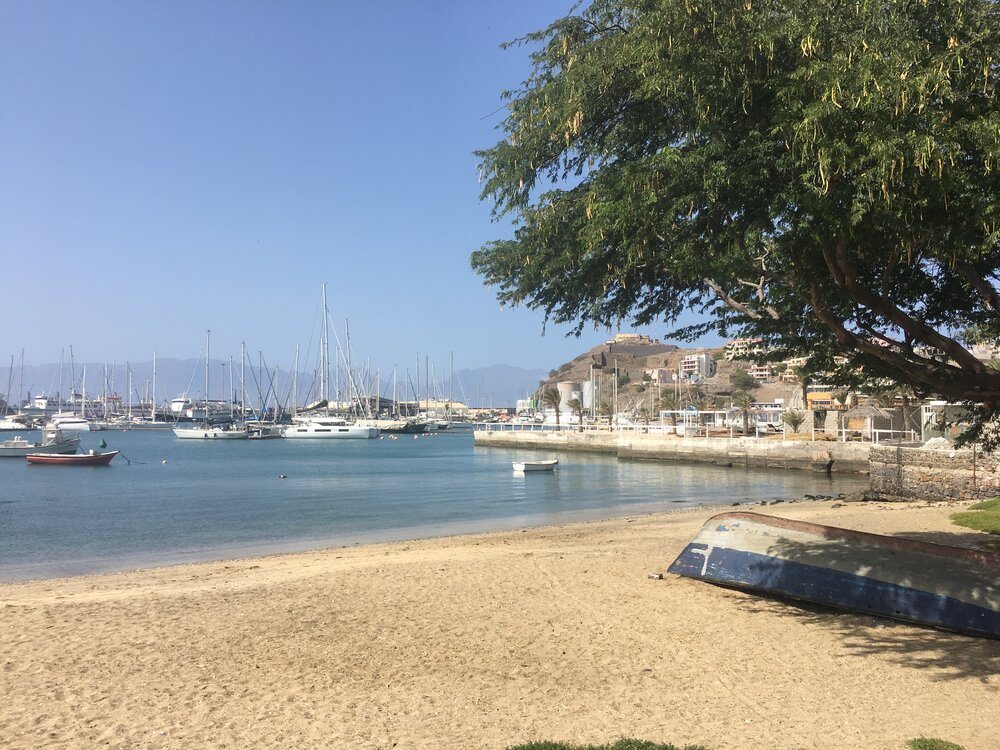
93 458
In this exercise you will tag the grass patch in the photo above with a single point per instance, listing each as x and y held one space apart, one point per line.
627 744
993 504
984 516
926 743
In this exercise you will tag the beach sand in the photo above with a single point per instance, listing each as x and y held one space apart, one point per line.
484 641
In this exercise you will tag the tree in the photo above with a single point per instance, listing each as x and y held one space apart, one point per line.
819 174
794 419
605 409
672 403
744 402
804 377
743 380
576 406
551 398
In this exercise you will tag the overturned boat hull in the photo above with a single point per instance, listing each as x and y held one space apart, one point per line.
919 582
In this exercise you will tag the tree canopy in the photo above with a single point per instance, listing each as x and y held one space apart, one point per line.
821 174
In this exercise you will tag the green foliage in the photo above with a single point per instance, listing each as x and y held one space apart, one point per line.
624 379
824 176
794 419
993 504
624 744
552 399
984 516
744 402
576 406
743 380
927 743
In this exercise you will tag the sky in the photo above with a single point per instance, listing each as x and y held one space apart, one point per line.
168 168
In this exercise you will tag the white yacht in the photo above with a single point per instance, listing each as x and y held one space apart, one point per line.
211 432
324 426
329 428
12 423
69 422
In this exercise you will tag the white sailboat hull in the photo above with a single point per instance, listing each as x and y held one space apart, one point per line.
209 433
330 432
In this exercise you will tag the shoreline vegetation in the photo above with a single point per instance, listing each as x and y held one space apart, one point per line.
552 634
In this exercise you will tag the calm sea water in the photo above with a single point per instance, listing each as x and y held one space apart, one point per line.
187 500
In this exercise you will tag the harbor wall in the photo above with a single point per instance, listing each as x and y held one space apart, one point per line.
821 456
966 474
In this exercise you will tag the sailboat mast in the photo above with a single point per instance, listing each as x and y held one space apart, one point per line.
10 379
243 382
324 375
208 359
347 364
152 410
295 383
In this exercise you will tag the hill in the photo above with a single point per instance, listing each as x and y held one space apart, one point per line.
628 359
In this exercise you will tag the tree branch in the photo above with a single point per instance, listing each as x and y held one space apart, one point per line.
922 371
734 303
985 289
846 277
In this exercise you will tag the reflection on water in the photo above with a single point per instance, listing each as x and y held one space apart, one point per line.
193 500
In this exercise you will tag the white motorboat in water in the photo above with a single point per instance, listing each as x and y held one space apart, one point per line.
53 441
211 432
69 422
14 423
536 465
329 428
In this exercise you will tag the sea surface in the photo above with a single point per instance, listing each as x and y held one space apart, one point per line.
165 501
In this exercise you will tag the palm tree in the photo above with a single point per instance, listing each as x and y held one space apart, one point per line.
670 402
744 402
605 409
794 419
551 397
804 376
576 405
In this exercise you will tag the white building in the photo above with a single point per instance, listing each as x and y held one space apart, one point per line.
743 349
662 375
761 372
698 366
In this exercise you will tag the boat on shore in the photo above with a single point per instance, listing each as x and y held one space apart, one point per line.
92 458
547 465
953 588
53 441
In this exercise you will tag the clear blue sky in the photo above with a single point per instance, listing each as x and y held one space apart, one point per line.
172 167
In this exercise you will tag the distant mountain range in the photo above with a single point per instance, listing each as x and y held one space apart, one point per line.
498 385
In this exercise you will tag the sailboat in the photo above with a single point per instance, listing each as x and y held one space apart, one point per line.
207 431
326 426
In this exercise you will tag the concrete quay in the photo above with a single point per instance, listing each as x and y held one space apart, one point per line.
808 455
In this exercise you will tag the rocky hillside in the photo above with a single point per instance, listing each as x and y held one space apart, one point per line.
632 359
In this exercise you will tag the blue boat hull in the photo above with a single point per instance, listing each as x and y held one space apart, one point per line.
928 584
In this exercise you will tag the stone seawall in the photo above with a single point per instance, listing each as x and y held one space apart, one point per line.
966 474
820 456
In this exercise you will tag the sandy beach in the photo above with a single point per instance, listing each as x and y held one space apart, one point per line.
484 641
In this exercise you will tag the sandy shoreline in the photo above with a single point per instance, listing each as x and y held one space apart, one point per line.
482 641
